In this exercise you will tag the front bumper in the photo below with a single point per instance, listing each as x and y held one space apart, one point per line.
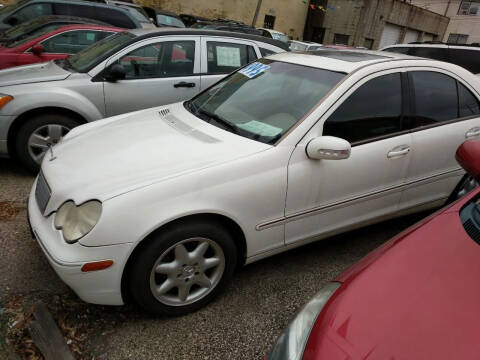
97 287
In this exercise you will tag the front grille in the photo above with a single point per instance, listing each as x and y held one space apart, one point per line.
42 193
472 230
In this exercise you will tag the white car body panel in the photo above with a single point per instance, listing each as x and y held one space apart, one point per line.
184 166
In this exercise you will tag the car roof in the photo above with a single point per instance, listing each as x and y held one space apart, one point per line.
434 45
147 33
344 61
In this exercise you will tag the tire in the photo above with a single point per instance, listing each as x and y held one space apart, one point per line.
39 125
466 184
177 271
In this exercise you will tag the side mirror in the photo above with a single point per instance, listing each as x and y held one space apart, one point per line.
37 49
328 148
468 156
12 20
115 72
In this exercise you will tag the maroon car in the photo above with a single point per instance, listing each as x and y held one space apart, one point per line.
52 44
415 297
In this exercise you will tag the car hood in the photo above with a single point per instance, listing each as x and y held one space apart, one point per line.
113 156
419 300
28 74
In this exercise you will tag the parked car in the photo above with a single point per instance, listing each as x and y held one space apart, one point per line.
467 56
189 20
135 10
164 17
27 10
226 26
296 45
168 201
274 34
129 71
52 44
41 24
412 298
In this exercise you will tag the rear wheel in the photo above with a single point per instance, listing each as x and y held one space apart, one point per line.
38 134
183 268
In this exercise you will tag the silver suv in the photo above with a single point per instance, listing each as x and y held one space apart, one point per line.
129 71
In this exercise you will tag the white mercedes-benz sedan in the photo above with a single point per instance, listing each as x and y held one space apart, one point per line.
160 205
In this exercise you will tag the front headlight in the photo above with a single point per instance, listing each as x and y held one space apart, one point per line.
4 99
77 221
291 344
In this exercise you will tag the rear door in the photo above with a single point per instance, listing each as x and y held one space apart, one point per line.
222 56
158 71
446 112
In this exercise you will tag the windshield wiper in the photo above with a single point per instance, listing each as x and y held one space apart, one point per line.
218 119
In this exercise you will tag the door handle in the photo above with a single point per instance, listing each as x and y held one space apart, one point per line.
184 84
473 132
398 151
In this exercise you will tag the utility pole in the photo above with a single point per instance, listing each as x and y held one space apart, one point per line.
257 10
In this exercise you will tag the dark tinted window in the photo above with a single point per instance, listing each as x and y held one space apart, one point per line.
469 104
223 58
430 53
71 42
469 59
110 16
398 50
31 12
435 97
371 111
266 52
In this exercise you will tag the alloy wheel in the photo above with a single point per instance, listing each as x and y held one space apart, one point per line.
187 271
43 138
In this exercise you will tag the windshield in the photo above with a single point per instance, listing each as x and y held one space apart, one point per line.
138 13
84 60
281 37
29 37
169 21
263 100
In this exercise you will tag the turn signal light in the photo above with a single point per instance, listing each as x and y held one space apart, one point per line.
97 265
5 99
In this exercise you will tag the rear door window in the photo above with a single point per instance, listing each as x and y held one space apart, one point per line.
364 116
435 97
430 53
224 57
469 59
71 42
469 104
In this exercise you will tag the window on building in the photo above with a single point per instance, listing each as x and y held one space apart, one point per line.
340 39
269 22
435 97
457 38
359 118
469 8
368 43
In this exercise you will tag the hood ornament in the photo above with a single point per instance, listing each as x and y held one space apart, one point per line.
52 156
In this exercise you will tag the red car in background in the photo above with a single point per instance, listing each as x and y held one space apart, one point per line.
52 44
415 297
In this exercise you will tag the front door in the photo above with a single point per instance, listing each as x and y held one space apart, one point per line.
324 196
159 72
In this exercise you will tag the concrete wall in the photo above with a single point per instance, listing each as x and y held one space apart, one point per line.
365 19
289 15
459 24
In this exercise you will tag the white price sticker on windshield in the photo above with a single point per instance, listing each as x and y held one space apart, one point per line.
254 69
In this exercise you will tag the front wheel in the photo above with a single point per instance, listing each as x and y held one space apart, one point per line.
183 268
38 134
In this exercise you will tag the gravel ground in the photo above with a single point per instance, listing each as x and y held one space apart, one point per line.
242 324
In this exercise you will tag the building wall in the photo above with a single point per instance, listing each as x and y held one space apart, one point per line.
365 19
459 24
289 15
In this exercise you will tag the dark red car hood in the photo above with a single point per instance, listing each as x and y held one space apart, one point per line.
416 297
